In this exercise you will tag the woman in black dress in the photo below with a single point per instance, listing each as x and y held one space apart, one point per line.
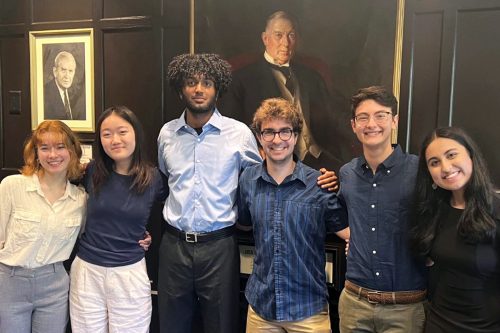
458 227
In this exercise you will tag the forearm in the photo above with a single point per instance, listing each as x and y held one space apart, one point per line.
344 233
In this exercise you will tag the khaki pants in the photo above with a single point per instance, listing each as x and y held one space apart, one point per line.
319 323
358 315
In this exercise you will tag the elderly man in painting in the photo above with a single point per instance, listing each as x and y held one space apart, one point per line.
275 75
59 102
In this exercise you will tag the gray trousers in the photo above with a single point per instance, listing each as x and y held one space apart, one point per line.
33 300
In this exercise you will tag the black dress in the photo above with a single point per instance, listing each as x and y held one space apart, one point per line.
467 297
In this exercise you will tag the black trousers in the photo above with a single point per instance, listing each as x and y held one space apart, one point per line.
206 271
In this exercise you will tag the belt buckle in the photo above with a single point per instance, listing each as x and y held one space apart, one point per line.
191 237
368 297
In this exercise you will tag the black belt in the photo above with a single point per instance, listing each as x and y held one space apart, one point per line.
193 237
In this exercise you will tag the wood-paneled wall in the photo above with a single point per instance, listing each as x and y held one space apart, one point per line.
133 43
451 73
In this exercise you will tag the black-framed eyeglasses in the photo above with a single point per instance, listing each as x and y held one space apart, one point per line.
285 134
379 118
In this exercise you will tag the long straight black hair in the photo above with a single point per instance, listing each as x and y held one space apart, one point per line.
140 167
477 224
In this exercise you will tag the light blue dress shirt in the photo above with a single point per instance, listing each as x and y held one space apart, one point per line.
203 171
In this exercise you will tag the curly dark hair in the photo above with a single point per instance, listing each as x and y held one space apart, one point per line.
209 65
477 223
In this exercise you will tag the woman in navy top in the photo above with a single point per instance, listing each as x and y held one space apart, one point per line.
110 289
458 227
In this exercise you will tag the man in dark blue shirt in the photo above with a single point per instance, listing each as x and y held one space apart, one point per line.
385 284
290 216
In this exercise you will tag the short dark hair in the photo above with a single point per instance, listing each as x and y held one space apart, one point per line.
211 66
140 167
476 224
379 94
277 108
286 16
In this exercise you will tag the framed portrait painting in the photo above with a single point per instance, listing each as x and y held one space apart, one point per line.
62 84
313 53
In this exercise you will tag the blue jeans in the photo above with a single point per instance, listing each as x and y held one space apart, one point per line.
34 300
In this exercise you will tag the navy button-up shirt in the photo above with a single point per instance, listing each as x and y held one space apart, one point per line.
289 222
378 208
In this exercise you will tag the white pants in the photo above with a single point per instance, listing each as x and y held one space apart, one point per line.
109 299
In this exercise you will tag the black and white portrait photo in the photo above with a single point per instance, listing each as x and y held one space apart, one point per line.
64 77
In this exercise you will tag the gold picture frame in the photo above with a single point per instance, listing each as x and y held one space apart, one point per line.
62 72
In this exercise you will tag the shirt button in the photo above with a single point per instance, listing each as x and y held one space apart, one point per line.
374 185
197 203
198 140
198 161
373 229
374 252
377 273
198 182
388 171
373 206
199 223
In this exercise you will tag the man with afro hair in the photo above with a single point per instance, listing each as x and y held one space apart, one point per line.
202 153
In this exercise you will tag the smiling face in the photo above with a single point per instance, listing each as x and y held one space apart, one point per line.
53 155
278 151
199 94
280 39
449 164
118 140
373 135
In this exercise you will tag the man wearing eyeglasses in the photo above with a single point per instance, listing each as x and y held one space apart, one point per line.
290 216
385 285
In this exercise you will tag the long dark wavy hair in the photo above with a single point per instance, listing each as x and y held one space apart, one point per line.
140 167
477 224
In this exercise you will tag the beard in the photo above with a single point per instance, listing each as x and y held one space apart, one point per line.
200 108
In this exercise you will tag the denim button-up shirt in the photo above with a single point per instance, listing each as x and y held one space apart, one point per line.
289 222
203 171
378 208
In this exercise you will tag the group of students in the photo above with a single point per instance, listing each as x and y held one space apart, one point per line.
396 210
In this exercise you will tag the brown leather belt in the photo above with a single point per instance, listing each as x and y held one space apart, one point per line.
384 297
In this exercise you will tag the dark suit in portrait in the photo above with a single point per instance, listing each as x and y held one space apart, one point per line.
54 106
258 81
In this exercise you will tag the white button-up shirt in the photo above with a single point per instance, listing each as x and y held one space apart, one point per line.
34 233
203 171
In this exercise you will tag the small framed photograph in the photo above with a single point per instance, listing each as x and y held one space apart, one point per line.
87 154
62 72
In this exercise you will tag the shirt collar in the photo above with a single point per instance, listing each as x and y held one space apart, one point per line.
271 60
215 121
298 172
34 186
388 163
